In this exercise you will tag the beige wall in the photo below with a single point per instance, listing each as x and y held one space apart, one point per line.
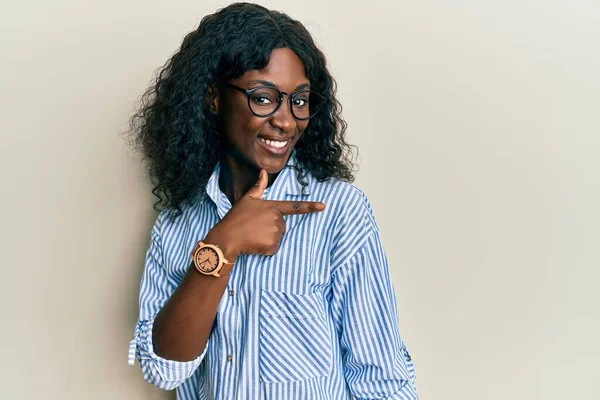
478 124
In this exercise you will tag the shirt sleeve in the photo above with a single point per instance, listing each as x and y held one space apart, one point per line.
155 289
376 362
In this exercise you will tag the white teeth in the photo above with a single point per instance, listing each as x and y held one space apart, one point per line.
274 143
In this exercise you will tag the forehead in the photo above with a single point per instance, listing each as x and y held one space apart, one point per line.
285 70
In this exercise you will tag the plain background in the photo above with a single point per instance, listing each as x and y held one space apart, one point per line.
478 125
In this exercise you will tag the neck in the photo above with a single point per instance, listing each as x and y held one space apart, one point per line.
237 176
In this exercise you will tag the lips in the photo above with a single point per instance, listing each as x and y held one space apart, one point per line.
274 146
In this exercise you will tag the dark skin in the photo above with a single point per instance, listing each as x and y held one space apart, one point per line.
252 226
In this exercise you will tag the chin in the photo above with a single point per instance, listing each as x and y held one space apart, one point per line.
272 165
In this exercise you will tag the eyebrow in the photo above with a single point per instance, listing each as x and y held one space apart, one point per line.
271 84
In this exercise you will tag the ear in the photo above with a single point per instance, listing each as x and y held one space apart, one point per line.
212 99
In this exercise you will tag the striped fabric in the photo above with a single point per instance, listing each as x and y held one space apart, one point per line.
318 320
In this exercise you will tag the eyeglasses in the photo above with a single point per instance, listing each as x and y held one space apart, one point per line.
264 101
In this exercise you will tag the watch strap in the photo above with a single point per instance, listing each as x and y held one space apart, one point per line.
225 269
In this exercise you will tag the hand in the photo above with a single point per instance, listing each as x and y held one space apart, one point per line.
254 225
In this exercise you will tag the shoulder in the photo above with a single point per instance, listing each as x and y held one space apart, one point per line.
348 216
170 221
343 199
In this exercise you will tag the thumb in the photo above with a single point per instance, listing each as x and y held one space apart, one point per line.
259 187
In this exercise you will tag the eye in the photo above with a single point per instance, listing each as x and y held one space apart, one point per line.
261 100
301 100
264 97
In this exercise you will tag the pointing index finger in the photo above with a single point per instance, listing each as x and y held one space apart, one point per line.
298 207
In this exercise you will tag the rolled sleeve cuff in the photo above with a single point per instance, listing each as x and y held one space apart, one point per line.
166 374
407 392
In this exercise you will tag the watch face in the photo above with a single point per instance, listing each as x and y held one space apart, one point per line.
207 259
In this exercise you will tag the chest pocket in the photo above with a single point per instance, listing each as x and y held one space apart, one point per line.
294 338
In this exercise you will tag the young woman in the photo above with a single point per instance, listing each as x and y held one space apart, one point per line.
265 277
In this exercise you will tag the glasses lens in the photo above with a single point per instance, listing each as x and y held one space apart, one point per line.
306 104
263 101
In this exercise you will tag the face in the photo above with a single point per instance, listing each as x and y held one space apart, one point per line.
262 142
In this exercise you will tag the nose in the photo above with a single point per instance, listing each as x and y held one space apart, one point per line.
283 117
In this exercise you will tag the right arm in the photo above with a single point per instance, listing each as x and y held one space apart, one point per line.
183 325
171 335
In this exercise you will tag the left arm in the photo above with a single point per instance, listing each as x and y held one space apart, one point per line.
376 362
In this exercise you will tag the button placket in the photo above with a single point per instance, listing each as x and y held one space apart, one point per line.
232 337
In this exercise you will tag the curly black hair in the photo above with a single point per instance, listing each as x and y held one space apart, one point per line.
177 134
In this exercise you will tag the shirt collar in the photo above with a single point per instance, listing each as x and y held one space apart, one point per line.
286 184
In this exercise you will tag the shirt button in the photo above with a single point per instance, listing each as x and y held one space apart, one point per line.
231 293
229 358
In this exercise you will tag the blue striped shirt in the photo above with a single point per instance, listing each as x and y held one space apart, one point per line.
317 320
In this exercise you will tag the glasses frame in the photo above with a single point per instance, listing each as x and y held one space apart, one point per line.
291 97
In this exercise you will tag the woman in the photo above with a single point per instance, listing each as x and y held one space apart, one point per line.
265 276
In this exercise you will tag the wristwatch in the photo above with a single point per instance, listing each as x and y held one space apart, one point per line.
209 260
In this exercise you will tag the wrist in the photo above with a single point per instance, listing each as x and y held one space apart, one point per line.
228 249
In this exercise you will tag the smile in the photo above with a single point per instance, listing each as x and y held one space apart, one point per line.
276 148
274 143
